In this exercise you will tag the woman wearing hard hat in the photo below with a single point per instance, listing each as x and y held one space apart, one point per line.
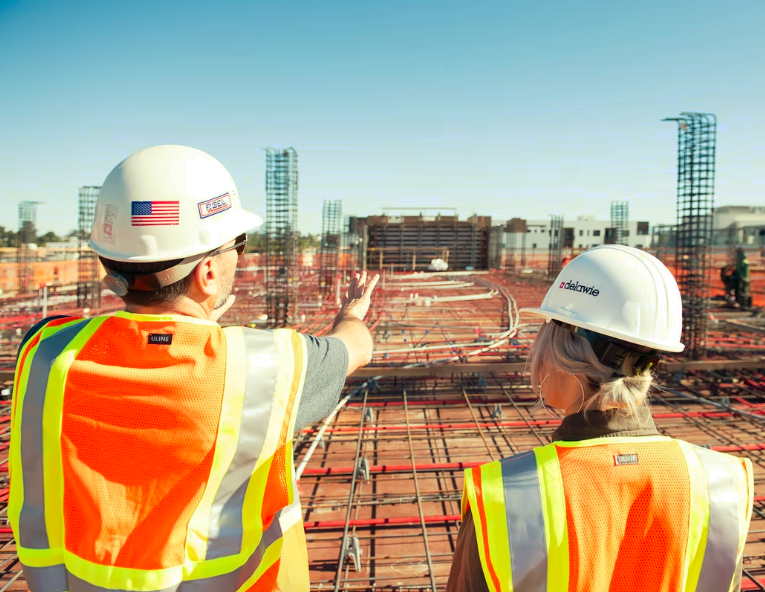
610 504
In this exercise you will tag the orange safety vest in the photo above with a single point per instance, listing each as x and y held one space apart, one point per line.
154 453
615 513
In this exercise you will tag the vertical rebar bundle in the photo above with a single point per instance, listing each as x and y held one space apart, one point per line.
496 238
620 219
696 151
331 236
510 244
88 280
281 235
555 252
27 238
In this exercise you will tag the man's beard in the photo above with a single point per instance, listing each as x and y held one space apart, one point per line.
227 283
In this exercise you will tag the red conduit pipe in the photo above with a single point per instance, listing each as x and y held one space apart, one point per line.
397 520
379 521
543 422
467 465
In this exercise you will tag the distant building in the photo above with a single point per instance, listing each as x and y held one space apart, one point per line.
739 225
582 233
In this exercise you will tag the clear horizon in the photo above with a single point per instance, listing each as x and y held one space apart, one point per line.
500 109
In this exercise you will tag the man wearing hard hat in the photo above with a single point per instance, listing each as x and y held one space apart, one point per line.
151 450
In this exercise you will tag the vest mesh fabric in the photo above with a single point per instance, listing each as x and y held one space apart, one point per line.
138 436
627 524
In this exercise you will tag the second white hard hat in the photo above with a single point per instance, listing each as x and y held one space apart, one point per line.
621 292
165 203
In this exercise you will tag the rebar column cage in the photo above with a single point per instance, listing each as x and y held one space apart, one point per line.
620 217
555 251
696 152
510 245
331 237
496 237
27 236
281 235
88 280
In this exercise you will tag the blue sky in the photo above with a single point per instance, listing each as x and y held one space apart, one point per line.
501 108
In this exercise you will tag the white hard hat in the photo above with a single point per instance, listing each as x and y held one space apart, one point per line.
620 292
165 203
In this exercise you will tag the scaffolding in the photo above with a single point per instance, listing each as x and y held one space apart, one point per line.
620 217
329 254
555 256
25 255
696 137
88 277
281 235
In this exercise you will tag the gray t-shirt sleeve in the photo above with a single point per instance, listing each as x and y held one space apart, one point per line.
324 379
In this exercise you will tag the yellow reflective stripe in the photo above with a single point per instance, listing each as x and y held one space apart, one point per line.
493 494
298 343
475 509
609 440
16 498
285 358
746 518
698 521
122 578
53 466
270 557
225 445
554 510
300 363
40 557
169 318
253 497
496 535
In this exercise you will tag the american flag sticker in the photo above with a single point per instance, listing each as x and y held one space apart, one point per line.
213 206
155 213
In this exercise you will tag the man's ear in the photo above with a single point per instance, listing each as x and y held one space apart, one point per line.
204 278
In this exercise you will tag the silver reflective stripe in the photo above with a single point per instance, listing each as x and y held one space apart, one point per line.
226 526
46 579
33 533
719 565
525 523
57 579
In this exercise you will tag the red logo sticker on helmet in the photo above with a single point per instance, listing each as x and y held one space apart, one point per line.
213 206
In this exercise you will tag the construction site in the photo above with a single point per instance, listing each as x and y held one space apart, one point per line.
381 479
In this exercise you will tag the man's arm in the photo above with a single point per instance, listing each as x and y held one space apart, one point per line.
349 324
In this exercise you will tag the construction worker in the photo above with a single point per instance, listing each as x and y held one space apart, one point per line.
151 450
610 504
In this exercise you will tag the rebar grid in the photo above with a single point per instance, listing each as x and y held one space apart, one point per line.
27 237
432 436
555 251
696 154
331 236
88 280
620 216
281 235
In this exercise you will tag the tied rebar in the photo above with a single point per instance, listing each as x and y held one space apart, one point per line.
696 154
88 280
281 235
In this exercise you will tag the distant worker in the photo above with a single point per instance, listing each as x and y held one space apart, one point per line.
610 504
152 450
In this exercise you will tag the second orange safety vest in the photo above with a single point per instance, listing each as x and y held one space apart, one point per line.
154 453
617 514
